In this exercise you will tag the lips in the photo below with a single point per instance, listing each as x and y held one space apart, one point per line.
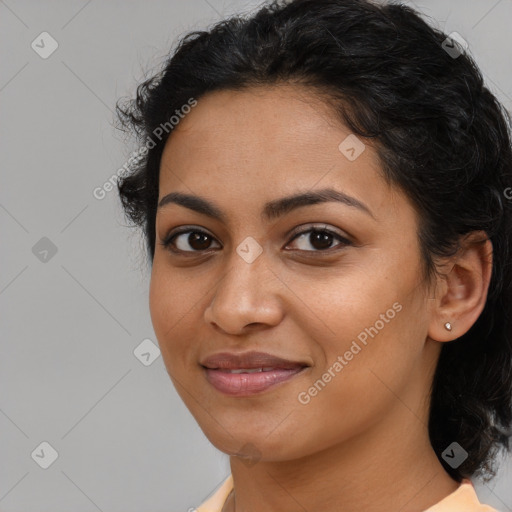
249 373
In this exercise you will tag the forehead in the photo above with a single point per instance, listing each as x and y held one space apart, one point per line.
266 141
288 122
258 107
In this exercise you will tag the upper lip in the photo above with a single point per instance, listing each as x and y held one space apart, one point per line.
248 360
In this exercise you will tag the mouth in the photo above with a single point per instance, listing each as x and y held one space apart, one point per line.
250 373
246 382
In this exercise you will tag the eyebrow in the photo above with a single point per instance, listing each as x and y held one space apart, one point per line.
272 209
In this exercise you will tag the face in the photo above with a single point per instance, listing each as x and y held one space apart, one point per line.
333 286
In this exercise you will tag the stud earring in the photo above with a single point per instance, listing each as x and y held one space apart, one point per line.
448 326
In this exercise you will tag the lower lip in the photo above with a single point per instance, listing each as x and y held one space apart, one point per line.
245 384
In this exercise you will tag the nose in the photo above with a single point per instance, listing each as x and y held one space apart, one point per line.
246 297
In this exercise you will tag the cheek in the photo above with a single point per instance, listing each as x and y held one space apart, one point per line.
356 303
171 297
170 310
366 320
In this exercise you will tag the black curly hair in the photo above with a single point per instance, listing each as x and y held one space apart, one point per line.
440 134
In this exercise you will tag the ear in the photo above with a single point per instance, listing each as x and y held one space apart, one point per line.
461 288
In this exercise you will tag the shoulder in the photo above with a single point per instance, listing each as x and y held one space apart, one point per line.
463 499
216 501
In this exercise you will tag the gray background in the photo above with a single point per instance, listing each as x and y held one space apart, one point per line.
71 323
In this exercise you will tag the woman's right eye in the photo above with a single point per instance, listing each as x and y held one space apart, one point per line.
196 240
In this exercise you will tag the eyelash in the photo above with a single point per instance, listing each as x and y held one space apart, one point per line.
168 242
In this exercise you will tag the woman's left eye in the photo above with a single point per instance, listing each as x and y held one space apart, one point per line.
319 238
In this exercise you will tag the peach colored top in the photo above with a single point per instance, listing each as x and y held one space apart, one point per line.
463 499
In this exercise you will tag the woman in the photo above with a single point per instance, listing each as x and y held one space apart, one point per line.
323 196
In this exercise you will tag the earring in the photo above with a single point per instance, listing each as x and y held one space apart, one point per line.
448 326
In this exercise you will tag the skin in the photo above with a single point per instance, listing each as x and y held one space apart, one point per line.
362 442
